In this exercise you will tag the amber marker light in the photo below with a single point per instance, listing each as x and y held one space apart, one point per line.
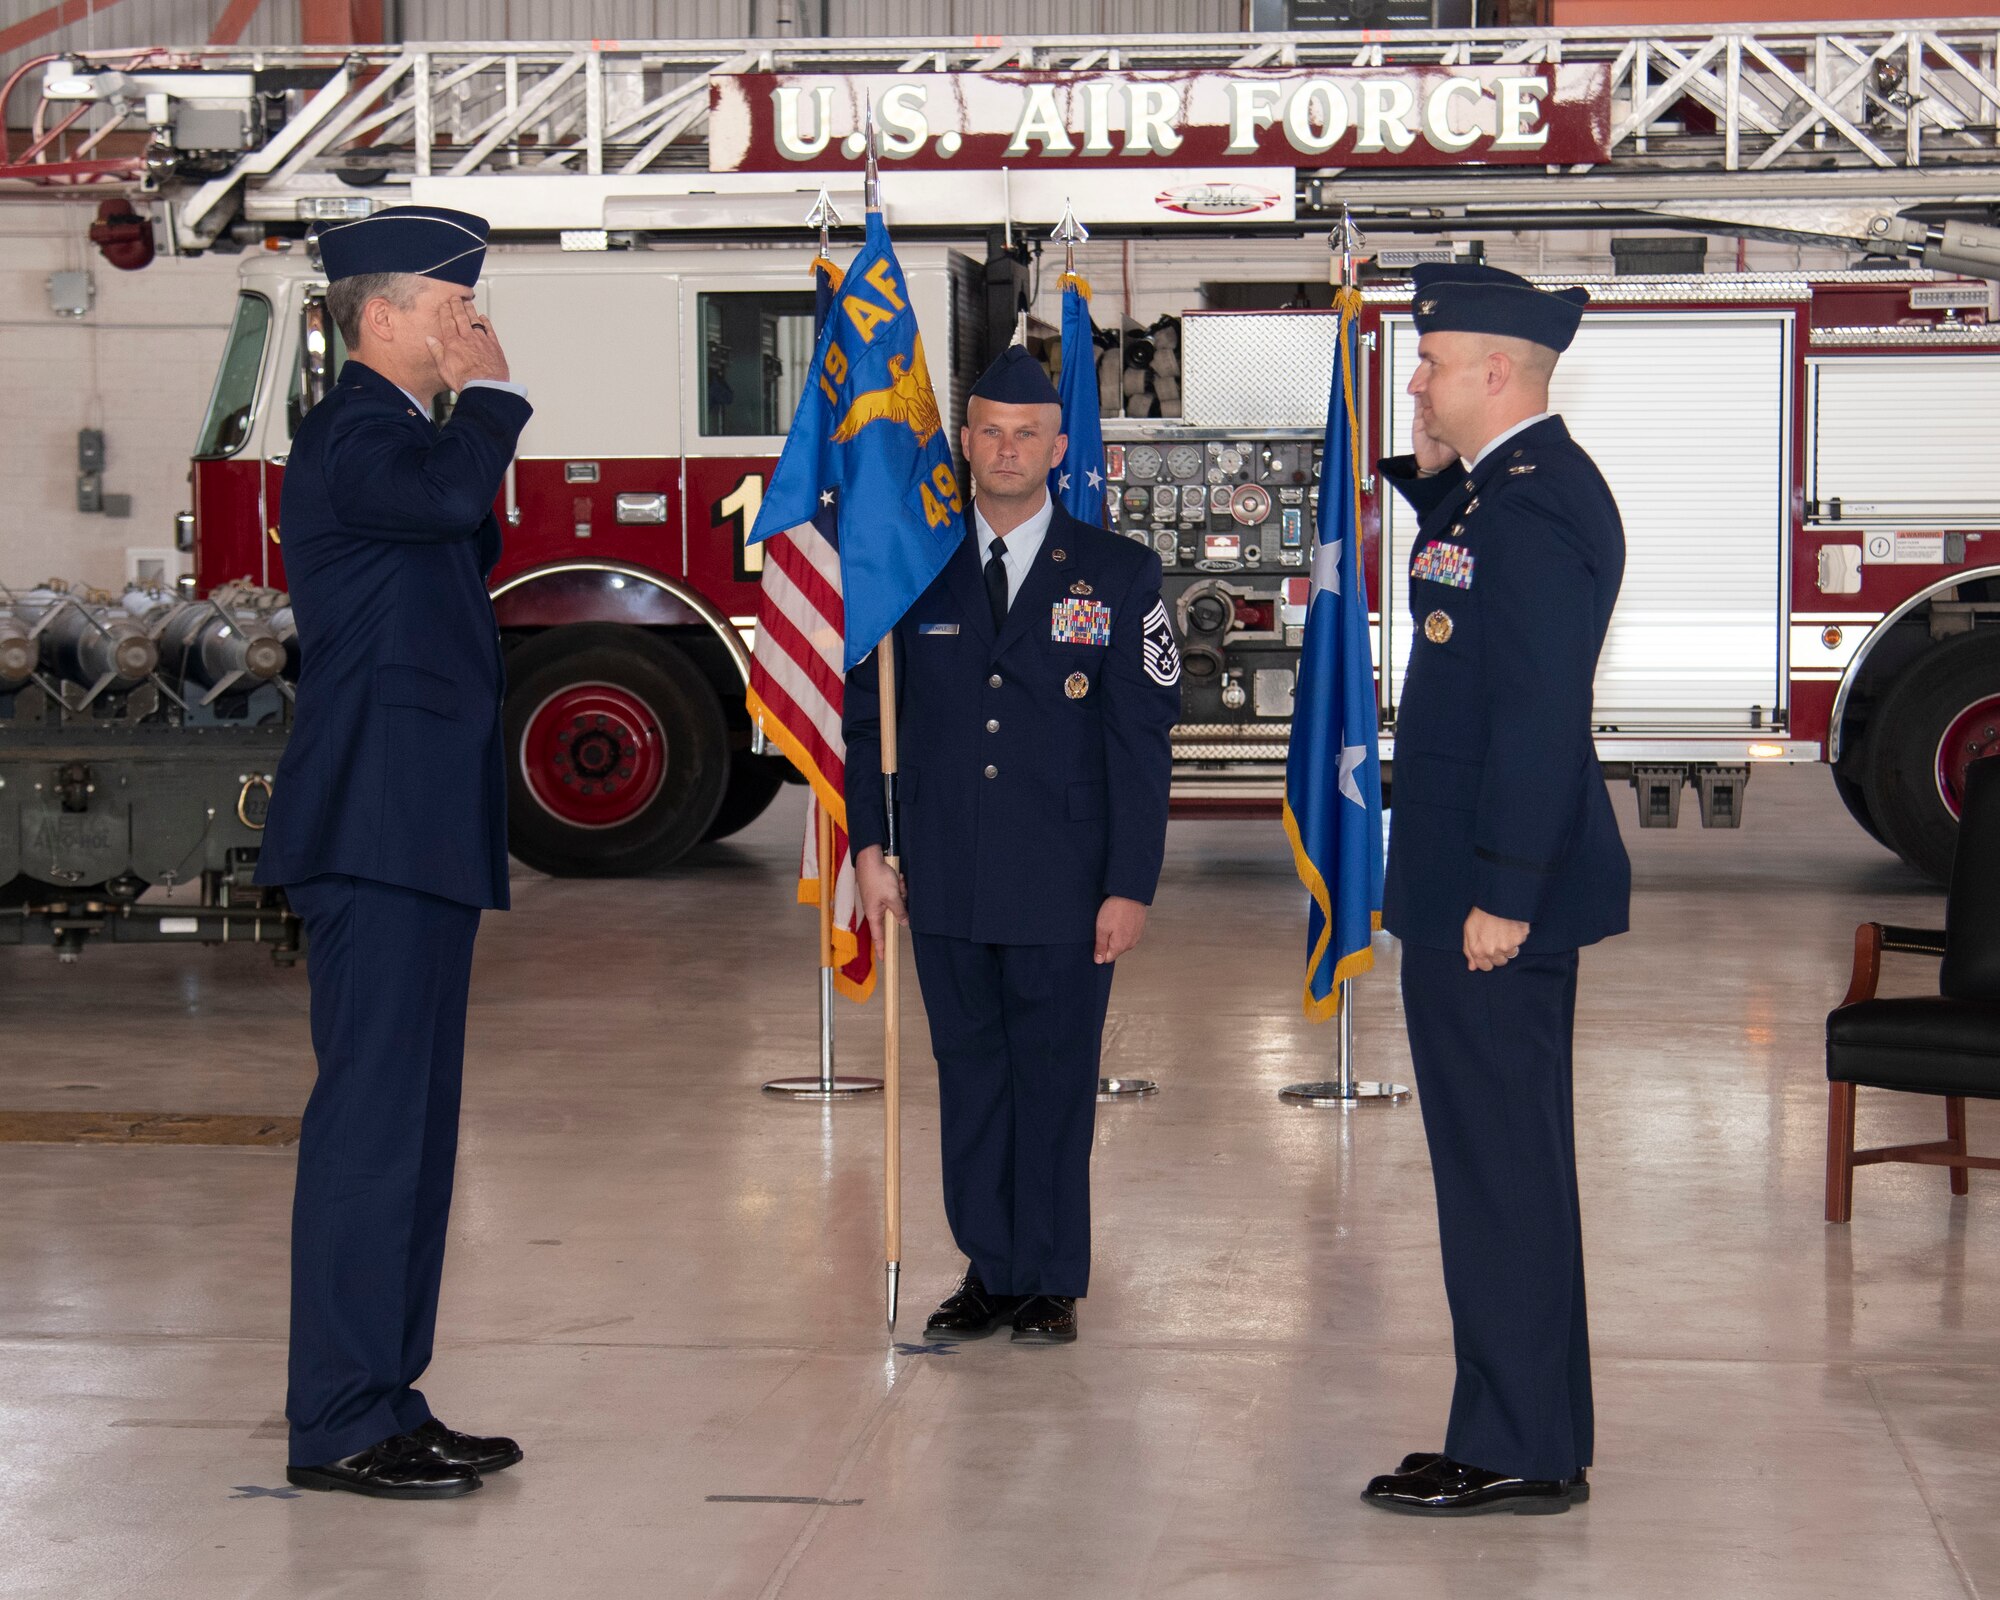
1830 637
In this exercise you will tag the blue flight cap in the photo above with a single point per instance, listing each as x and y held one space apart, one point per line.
1016 379
1462 297
426 240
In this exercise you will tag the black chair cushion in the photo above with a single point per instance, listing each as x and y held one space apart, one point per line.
1932 1046
1971 969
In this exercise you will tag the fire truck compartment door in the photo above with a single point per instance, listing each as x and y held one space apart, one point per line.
599 354
1688 417
1902 439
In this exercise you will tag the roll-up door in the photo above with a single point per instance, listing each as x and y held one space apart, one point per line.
1903 439
1687 415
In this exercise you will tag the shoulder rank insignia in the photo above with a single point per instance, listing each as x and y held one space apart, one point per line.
1426 307
1437 627
1076 686
1449 564
1521 471
1080 622
1080 587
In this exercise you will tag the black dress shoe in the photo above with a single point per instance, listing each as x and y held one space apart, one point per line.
1046 1319
1447 1488
457 1449
970 1312
1417 1460
399 1468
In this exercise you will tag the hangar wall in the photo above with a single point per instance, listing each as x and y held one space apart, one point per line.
138 365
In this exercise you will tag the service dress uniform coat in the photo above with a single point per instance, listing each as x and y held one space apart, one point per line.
388 830
1034 773
1499 804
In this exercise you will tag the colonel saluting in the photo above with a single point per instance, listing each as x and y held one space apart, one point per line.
1504 860
388 830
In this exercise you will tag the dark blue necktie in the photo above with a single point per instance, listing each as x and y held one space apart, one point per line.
996 581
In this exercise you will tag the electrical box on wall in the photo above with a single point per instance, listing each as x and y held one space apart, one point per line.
71 294
90 495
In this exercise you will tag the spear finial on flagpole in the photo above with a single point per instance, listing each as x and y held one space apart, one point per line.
824 217
1345 242
1070 233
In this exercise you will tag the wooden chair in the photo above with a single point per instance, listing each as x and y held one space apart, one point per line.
1946 1045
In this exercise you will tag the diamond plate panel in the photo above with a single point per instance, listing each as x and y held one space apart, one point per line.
1255 369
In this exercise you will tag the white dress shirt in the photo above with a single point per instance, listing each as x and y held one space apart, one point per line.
1022 546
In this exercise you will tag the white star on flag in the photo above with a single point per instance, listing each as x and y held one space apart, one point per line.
1062 483
826 497
1351 757
1326 566
1093 477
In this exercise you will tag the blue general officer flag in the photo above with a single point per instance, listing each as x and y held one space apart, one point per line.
1077 481
1333 776
868 427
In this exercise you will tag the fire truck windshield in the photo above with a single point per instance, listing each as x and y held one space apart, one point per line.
226 428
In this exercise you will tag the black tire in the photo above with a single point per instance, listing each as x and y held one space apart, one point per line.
754 782
1904 738
1855 798
642 671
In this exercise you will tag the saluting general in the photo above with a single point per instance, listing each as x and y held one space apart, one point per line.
1038 683
388 830
1504 861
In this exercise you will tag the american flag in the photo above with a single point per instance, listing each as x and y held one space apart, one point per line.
796 690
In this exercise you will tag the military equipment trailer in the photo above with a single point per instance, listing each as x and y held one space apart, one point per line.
138 741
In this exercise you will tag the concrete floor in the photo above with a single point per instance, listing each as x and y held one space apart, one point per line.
669 1286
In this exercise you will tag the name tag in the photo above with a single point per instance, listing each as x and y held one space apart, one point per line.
1448 564
1080 622
941 629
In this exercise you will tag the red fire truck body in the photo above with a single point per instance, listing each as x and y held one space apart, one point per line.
1813 525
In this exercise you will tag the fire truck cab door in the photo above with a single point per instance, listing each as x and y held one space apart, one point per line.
596 342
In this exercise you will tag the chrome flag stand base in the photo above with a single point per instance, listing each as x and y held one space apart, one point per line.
1343 1091
1125 1088
826 1086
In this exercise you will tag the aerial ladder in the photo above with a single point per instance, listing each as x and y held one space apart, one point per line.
1880 137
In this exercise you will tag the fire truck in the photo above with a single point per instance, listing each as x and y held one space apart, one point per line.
1812 512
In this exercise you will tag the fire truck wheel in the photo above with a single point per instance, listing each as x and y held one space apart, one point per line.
1940 715
618 752
754 782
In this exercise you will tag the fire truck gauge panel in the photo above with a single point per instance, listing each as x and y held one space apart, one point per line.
1142 463
1184 461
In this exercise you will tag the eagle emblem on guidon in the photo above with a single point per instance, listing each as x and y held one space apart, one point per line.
907 400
